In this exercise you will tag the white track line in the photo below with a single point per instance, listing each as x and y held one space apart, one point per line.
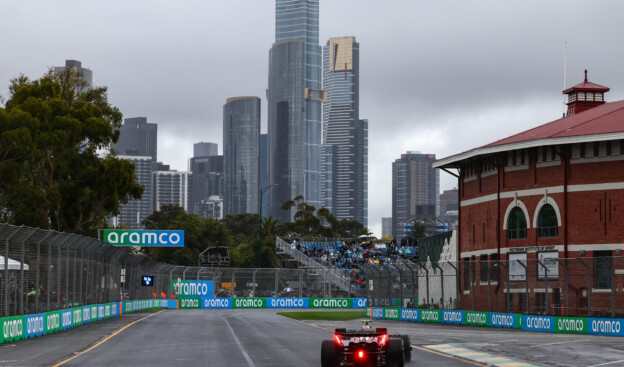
240 346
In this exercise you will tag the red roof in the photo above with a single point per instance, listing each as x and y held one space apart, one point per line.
587 86
603 119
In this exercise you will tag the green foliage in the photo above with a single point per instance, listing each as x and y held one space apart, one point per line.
244 227
54 174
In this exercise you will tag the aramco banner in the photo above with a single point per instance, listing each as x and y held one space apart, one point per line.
148 238
192 288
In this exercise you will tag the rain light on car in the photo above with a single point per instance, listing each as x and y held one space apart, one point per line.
337 339
383 339
361 354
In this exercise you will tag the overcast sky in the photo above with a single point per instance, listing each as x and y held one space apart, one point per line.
438 77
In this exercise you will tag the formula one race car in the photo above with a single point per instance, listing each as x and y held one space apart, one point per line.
366 347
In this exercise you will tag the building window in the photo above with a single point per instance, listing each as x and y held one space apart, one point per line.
466 274
483 268
494 268
547 222
516 224
603 263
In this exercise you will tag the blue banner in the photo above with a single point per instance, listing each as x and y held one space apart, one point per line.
86 314
452 317
100 312
409 314
613 327
538 323
287 303
505 320
378 313
192 288
114 309
66 319
216 303
359 303
35 325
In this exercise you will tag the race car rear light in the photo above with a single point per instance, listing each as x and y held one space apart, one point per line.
383 339
337 338
361 354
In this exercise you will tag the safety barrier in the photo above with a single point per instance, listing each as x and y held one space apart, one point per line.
552 324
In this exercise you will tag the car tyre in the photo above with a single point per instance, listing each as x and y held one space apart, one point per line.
407 348
394 353
329 354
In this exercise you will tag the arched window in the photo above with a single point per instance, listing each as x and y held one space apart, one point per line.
516 224
547 222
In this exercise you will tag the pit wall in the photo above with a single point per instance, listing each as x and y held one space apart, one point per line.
551 324
36 325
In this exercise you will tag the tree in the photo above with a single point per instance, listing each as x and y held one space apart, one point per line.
55 172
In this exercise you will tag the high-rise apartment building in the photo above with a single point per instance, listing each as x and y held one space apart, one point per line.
134 212
204 149
264 174
386 226
415 191
345 132
85 74
137 137
241 152
295 97
171 188
207 181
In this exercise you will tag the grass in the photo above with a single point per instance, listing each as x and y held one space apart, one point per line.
322 315
149 310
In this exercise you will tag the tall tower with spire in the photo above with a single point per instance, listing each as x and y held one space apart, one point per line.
584 96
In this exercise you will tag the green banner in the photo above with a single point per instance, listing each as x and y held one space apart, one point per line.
107 311
571 325
94 315
13 328
477 318
249 303
128 307
368 311
77 316
430 315
391 314
53 322
190 303
331 303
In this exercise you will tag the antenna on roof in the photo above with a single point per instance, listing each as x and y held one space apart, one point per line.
565 69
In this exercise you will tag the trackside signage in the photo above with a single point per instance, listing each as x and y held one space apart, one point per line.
114 309
77 316
571 325
86 314
613 327
35 325
190 303
331 303
148 238
391 313
430 315
216 303
409 314
359 302
192 288
287 303
249 303
505 320
538 323
378 313
12 329
476 318
453 317
66 319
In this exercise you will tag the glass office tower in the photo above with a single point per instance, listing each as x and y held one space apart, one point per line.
295 98
241 154
346 194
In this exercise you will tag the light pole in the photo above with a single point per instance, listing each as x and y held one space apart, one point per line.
262 191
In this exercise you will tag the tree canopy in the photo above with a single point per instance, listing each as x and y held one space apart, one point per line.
55 170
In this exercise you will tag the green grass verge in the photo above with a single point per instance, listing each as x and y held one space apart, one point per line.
149 310
322 315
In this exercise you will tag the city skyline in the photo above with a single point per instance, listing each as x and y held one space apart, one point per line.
440 78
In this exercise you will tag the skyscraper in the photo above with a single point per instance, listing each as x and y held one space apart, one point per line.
134 212
171 188
207 183
85 74
415 190
295 97
264 173
344 131
137 137
241 152
204 149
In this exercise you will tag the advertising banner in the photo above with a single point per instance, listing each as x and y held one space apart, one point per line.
35 325
216 303
476 318
505 320
452 317
517 272
368 311
12 329
538 323
186 303
378 313
66 319
192 288
409 314
107 311
549 259
52 322
359 302
571 325
86 314
430 315
114 309
391 314
77 316
287 303
331 303
249 303
612 327
151 238
127 307
94 313
100 312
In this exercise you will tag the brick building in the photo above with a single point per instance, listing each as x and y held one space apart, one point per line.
549 200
